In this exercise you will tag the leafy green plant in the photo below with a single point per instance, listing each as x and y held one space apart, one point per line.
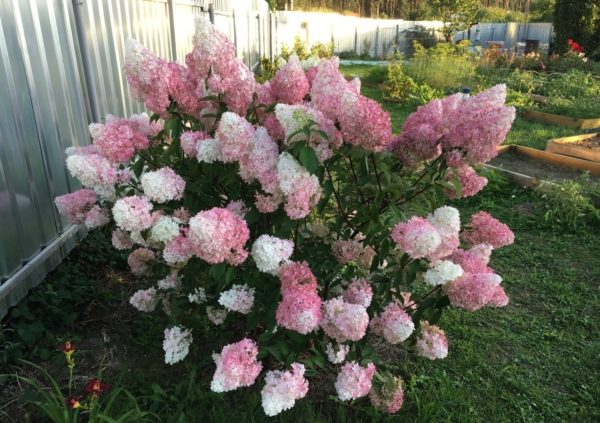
399 85
445 67
31 328
572 84
100 404
570 204
580 108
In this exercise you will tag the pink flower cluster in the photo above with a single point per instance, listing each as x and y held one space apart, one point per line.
163 185
138 261
394 324
290 83
389 397
474 126
190 140
364 122
300 306
417 237
359 292
95 172
119 139
479 286
155 82
180 249
354 381
77 205
236 366
344 321
133 213
301 189
432 342
485 229
467 129
219 235
282 389
214 60
433 238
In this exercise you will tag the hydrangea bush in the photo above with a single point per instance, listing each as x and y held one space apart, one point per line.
288 214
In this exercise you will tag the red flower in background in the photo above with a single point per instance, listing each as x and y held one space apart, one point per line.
576 47
73 402
96 387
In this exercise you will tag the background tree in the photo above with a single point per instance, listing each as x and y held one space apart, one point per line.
578 20
456 15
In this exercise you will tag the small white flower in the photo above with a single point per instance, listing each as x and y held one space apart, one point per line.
239 298
269 253
177 344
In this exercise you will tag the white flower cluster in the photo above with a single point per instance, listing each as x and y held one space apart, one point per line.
339 356
270 253
442 272
446 220
282 389
145 300
177 344
170 282
208 151
239 298
289 170
162 185
310 62
197 296
216 315
121 240
292 118
165 229
95 172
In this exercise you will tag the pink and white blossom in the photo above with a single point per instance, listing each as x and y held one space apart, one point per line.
354 381
432 342
236 366
283 388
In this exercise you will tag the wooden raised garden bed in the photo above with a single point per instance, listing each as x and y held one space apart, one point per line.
561 120
581 146
539 169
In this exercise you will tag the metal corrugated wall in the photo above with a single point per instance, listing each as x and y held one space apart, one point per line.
43 111
46 106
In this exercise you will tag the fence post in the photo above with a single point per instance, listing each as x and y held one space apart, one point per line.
376 52
172 29
235 42
259 41
86 61
397 39
356 40
211 13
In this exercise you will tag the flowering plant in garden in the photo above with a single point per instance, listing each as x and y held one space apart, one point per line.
288 214
94 403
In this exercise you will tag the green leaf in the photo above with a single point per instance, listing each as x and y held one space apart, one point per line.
309 160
